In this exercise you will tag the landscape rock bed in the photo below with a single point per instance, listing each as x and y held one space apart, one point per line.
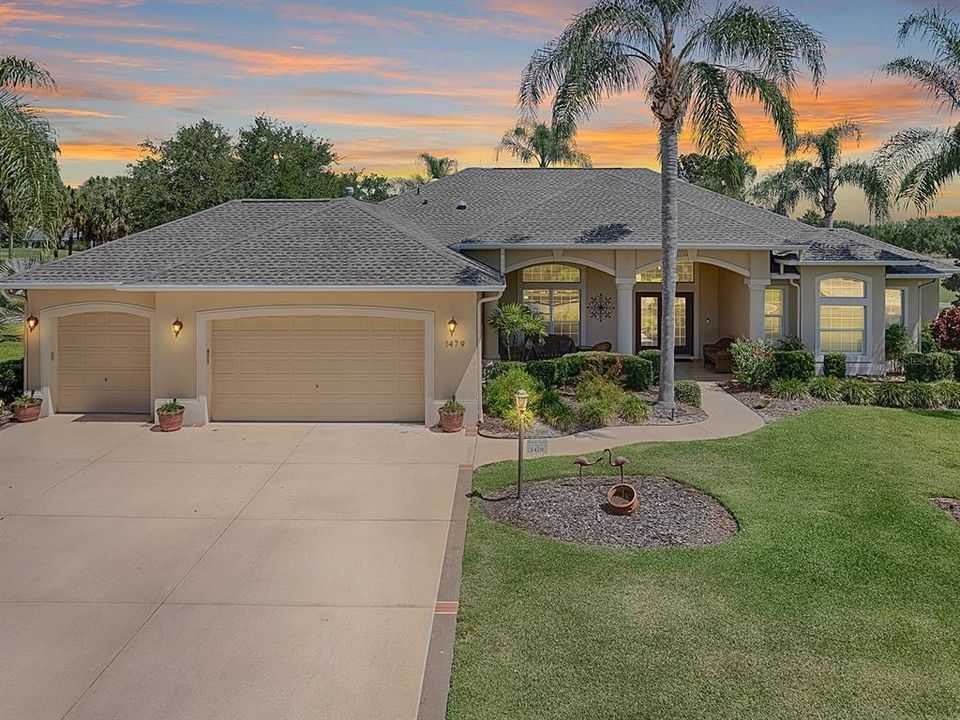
768 407
573 509
951 506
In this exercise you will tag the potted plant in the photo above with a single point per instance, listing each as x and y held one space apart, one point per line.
451 416
26 408
170 415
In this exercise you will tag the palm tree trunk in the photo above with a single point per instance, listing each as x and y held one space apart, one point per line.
829 206
670 239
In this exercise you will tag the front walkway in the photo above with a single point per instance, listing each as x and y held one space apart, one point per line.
726 416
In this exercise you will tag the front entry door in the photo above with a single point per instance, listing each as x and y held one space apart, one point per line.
648 322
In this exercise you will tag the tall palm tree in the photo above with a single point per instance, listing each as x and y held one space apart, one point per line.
543 144
437 167
29 176
917 162
819 180
691 67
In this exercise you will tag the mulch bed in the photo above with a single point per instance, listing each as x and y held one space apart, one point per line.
951 506
768 407
574 509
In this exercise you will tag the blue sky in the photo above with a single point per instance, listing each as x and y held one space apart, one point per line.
388 80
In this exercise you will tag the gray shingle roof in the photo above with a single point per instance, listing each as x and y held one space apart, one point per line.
841 245
335 243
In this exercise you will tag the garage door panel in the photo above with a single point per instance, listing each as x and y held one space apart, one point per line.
316 368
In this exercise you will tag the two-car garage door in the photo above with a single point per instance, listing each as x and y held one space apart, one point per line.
318 368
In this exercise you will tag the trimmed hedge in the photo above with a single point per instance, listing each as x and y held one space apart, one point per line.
639 373
955 354
11 379
687 392
635 371
835 365
929 367
653 357
794 365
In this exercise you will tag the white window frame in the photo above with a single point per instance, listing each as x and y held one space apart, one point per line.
782 289
903 304
551 286
866 302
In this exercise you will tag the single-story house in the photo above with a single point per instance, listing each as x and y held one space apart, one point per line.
324 310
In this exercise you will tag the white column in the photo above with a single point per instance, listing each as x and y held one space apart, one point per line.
757 288
625 317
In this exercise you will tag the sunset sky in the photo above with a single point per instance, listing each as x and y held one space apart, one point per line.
388 80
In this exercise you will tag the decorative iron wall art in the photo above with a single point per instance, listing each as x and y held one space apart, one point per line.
600 307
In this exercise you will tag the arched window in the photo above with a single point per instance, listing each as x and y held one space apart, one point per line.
842 311
556 292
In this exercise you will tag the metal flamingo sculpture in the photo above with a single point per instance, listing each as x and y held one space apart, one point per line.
618 462
582 461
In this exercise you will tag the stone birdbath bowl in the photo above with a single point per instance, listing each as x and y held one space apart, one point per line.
622 499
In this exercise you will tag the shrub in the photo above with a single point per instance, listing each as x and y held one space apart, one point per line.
856 392
514 320
687 392
499 392
789 389
835 365
896 342
794 365
891 394
632 409
826 388
597 386
513 418
11 379
638 372
543 370
928 343
790 343
752 363
955 354
653 357
570 368
949 394
596 413
921 395
556 413
928 368
946 328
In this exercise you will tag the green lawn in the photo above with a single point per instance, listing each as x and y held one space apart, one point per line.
947 296
839 599
11 342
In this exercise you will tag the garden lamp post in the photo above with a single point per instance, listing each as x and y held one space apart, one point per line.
521 400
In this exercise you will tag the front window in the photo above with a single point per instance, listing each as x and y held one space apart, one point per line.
893 306
655 275
553 291
773 303
843 287
843 315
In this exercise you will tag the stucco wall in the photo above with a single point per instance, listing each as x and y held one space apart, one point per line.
174 359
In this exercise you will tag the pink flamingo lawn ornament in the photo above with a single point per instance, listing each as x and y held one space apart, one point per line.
583 461
618 462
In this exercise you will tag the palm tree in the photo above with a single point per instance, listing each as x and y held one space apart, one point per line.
917 162
437 167
544 144
690 67
728 174
819 180
29 177
12 302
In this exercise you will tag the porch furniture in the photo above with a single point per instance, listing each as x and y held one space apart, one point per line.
602 347
551 346
718 355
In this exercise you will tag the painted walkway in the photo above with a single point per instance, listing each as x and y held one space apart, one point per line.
727 417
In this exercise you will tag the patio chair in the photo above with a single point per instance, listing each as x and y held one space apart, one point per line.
718 355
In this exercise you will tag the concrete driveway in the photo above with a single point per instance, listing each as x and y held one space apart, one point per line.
230 571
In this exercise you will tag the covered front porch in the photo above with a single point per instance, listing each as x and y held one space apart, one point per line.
595 296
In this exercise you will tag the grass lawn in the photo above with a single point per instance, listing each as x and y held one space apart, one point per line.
840 598
11 342
947 296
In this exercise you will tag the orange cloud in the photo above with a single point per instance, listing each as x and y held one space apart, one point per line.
473 24
14 13
159 95
99 150
74 112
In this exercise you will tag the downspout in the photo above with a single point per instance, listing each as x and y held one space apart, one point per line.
793 283
480 350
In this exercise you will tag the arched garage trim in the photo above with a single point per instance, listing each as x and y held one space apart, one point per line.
48 342
205 320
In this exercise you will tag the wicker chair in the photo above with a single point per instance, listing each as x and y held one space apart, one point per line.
551 346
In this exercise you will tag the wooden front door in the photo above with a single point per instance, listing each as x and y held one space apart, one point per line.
648 322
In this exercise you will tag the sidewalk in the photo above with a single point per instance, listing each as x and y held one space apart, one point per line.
726 417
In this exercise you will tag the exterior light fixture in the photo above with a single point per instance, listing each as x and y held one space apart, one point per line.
452 326
177 327
32 323
520 399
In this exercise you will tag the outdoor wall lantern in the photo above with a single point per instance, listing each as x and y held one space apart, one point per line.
177 327
452 326
520 399
32 323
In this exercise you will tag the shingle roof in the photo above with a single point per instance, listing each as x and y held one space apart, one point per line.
262 243
845 246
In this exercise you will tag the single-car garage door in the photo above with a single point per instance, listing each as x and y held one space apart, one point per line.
103 363
318 368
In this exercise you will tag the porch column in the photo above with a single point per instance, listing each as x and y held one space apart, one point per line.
491 345
757 288
625 321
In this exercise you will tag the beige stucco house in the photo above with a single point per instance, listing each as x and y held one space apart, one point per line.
333 310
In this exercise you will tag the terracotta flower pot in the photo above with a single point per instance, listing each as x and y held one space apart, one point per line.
170 422
26 413
451 422
622 499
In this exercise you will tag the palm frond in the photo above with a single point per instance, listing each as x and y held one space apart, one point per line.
17 72
936 26
713 118
865 177
781 192
753 86
827 144
437 167
940 83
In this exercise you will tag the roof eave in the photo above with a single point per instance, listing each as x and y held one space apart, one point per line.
622 246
